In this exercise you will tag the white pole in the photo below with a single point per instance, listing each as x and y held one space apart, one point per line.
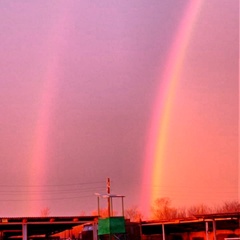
206 227
95 236
163 232
214 230
24 231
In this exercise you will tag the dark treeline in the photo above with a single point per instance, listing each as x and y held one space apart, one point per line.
163 209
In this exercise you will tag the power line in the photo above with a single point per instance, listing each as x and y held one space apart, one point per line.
51 185
26 193
44 199
52 191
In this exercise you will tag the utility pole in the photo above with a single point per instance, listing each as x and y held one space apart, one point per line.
108 192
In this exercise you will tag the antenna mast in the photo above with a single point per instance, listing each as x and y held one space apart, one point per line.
108 192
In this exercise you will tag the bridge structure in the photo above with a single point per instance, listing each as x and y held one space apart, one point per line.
38 227
216 226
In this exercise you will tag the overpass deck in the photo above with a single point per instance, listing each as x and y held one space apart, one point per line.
11 227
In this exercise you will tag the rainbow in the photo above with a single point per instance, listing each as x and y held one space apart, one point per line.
158 131
39 159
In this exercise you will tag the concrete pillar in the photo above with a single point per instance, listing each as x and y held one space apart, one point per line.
24 231
214 230
163 232
206 228
95 234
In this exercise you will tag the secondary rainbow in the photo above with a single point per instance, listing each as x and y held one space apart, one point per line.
54 49
158 131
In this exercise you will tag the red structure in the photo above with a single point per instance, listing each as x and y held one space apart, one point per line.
202 227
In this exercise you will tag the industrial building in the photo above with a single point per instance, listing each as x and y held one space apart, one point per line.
201 227
224 226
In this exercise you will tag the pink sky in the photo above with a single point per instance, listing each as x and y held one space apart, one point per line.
103 63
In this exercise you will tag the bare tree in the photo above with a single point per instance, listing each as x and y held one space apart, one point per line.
229 206
198 209
133 214
162 210
45 212
181 213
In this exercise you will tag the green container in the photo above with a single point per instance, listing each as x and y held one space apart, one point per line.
111 225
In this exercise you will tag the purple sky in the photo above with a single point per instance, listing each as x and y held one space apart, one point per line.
78 81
